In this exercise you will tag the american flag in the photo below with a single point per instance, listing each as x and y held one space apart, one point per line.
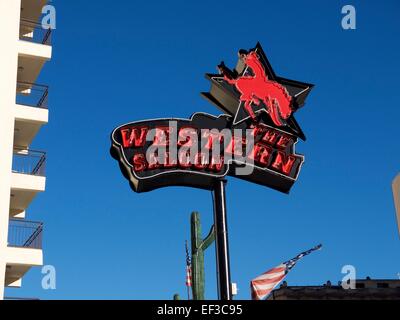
188 268
262 286
188 276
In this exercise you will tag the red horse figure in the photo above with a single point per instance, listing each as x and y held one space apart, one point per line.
258 87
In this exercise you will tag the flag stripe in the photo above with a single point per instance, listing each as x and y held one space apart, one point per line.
279 268
267 276
188 276
268 281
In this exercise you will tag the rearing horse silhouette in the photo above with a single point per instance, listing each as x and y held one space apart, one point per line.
257 88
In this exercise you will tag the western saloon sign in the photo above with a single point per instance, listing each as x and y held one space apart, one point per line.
254 139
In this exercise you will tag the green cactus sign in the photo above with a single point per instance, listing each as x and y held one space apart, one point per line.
198 246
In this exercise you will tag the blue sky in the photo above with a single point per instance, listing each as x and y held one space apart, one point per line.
115 63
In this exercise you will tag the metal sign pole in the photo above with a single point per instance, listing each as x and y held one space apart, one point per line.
221 242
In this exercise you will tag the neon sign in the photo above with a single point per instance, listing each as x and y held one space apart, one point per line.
253 140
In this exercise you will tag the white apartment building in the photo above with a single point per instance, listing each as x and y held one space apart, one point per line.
25 48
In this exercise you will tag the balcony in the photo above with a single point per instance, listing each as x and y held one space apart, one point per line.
30 112
27 179
29 162
32 31
25 234
34 49
24 250
32 95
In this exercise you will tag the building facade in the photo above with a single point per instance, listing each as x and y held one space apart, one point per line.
25 48
366 289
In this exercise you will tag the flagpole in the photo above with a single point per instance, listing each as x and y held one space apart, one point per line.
221 241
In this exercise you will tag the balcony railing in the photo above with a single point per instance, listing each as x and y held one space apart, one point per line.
34 32
29 162
32 95
25 234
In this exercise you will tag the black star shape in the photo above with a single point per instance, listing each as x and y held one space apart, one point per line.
227 98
